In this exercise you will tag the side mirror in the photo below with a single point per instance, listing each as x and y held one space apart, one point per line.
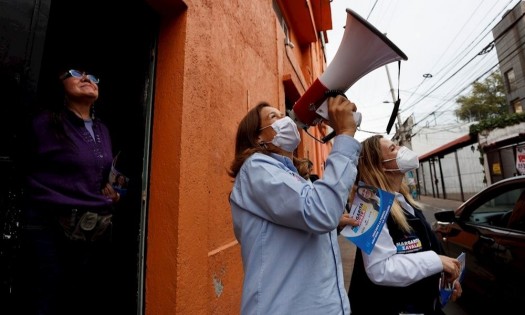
445 216
445 224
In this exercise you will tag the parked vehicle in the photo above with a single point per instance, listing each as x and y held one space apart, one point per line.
490 228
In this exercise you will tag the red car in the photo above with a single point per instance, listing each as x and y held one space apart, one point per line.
490 229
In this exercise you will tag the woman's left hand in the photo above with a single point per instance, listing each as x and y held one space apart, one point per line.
347 220
457 291
109 192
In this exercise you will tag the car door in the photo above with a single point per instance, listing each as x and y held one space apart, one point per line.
495 264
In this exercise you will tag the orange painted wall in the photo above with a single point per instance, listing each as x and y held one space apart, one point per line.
216 59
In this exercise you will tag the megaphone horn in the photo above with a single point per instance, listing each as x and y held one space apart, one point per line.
362 49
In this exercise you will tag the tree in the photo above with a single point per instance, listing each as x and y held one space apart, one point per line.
487 99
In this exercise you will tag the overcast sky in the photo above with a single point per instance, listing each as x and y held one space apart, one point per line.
441 38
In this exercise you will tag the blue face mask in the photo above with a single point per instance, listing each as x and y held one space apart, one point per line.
287 135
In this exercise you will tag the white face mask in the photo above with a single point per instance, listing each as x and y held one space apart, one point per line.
406 160
287 135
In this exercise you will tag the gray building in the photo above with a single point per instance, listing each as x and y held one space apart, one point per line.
501 145
509 39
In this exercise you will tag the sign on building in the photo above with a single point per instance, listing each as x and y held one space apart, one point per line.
520 159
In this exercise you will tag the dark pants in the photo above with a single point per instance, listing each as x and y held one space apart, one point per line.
58 276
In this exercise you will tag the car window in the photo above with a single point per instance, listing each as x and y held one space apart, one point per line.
498 209
517 217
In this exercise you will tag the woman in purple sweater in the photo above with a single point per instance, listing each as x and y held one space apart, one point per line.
67 217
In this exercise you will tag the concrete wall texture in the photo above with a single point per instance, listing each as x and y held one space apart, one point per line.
215 60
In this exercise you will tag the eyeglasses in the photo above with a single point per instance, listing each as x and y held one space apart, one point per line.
79 74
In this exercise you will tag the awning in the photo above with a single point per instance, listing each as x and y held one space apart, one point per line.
450 147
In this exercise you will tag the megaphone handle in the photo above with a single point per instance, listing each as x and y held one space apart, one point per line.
331 93
357 119
328 137
334 93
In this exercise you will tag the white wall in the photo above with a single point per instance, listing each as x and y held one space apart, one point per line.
470 168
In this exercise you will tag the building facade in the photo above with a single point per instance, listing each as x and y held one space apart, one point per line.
509 38
176 79
502 146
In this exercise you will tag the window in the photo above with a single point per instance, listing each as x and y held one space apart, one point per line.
497 210
516 106
281 20
510 79
516 220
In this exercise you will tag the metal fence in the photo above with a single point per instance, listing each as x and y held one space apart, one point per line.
456 176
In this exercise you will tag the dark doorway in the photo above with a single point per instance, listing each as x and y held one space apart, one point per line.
118 45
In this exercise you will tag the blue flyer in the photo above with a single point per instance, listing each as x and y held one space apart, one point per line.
370 208
446 288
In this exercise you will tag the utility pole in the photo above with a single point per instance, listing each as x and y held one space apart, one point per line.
405 140
399 122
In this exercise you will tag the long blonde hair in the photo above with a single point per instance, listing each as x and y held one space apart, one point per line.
370 171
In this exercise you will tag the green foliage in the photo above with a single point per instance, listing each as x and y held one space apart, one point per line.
486 100
500 121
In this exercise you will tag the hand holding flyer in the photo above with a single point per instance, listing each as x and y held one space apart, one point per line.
370 208
118 180
446 288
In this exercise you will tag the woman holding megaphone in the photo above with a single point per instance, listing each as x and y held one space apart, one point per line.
285 224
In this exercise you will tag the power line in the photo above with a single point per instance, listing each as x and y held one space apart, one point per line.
372 10
505 59
486 49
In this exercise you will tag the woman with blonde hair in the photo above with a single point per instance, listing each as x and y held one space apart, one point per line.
403 270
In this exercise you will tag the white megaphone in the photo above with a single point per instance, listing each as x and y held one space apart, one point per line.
362 49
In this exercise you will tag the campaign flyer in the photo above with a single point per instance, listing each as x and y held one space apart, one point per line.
370 208
446 288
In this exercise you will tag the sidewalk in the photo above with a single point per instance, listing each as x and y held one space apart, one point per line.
439 204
